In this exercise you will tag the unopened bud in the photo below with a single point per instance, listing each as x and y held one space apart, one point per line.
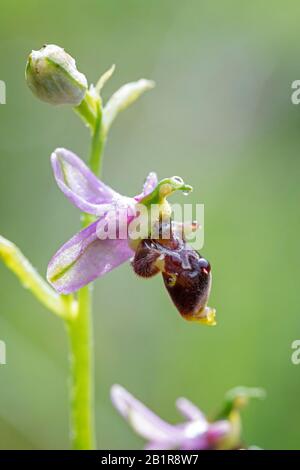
52 76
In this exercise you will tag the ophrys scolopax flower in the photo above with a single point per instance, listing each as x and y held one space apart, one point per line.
196 432
92 253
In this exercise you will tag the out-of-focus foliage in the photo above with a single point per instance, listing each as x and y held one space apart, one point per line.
222 118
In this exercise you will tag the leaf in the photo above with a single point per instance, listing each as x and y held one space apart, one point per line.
122 98
104 78
12 257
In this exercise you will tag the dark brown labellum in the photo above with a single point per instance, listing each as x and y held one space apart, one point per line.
188 286
186 274
145 258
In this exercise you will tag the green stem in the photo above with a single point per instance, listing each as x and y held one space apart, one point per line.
82 372
80 330
86 110
95 159
98 142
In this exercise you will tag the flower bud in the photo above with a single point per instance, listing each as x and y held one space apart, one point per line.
52 76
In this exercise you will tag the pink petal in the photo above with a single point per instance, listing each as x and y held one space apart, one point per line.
149 185
84 258
79 184
189 410
144 422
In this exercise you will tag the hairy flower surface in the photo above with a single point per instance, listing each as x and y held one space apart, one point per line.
196 432
91 253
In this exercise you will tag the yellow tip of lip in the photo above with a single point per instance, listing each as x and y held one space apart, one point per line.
209 317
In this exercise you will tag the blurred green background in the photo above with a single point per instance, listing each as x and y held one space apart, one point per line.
221 117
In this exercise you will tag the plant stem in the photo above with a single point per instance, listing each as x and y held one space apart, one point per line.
98 142
82 373
80 330
86 110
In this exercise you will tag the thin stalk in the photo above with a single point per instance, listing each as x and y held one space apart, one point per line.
86 110
82 374
80 330
98 141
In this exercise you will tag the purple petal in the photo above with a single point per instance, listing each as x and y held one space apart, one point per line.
149 185
161 445
195 435
218 430
78 183
198 443
189 410
84 258
206 440
144 422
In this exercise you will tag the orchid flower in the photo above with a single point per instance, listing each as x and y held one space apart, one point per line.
196 432
88 255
